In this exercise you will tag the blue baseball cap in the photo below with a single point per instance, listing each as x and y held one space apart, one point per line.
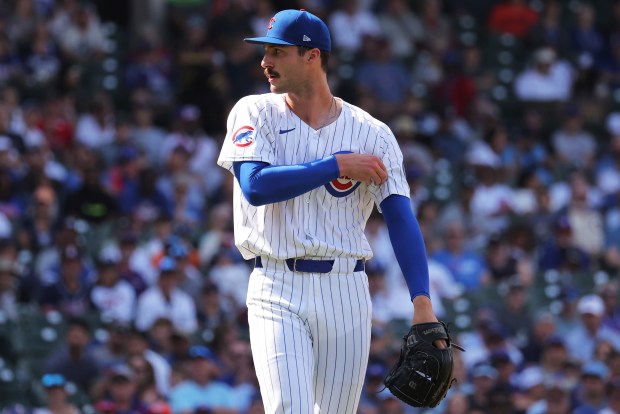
202 352
167 264
296 28
53 380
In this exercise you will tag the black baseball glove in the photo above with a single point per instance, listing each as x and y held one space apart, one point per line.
423 373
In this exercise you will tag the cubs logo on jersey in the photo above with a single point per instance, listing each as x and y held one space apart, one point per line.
244 136
343 185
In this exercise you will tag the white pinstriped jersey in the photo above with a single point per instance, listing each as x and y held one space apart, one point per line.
328 221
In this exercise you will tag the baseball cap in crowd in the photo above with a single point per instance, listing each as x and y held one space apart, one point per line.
296 28
530 377
121 371
53 380
484 371
167 264
202 352
591 304
555 340
594 369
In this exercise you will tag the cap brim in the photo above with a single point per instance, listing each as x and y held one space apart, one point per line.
268 40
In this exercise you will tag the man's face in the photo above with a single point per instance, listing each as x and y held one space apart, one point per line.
283 68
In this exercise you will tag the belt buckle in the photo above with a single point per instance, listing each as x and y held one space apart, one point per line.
295 265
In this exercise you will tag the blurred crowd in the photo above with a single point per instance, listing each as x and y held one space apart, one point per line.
121 290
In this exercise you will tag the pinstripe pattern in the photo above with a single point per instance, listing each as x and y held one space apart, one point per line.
310 337
310 333
315 224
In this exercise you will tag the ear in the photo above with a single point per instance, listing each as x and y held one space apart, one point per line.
313 54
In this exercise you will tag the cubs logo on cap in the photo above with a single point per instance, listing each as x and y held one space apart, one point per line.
296 28
244 136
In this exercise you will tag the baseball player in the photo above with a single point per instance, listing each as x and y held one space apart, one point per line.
309 169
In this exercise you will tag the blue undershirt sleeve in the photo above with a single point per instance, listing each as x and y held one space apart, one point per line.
407 242
262 183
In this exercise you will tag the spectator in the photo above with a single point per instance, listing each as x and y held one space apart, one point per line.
591 392
557 399
547 80
150 67
514 311
120 390
350 24
199 147
81 37
492 198
11 69
91 201
483 378
73 358
609 293
111 296
197 59
146 386
572 145
211 312
612 397
586 40
137 345
166 299
560 253
581 340
436 25
584 218
549 30
201 390
230 274
96 128
467 266
113 350
42 64
530 388
402 28
144 134
9 284
69 294
383 78
127 245
539 335
190 278
56 396
554 357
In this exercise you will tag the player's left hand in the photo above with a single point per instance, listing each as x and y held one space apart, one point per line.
423 313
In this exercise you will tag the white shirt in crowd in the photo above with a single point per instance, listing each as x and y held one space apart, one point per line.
117 302
181 310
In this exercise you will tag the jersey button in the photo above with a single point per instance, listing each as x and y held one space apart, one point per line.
307 200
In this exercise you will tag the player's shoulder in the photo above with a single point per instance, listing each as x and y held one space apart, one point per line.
259 102
362 116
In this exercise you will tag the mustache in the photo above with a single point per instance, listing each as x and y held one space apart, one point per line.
268 72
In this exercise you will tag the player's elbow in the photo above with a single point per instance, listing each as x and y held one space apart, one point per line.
254 197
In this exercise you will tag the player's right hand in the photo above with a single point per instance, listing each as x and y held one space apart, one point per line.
366 168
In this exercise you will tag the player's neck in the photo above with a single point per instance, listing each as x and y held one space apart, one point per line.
315 109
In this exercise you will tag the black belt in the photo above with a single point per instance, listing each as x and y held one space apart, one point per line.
312 265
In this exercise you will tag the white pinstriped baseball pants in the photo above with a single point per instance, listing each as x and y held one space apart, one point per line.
310 337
